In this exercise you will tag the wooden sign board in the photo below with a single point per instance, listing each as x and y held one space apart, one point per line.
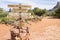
25 6
19 8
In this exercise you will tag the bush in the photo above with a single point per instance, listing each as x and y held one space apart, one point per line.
5 20
57 12
52 13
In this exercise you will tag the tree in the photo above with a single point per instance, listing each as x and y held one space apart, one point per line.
37 11
44 12
31 11
57 12
52 13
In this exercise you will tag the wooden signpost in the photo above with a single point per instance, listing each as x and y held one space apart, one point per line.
20 28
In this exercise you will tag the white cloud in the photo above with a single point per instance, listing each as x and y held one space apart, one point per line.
34 3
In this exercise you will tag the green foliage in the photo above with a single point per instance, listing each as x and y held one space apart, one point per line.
3 16
57 12
31 11
39 12
2 13
44 12
1 10
3 20
6 20
52 13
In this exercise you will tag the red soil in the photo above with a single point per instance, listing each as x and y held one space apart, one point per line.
47 29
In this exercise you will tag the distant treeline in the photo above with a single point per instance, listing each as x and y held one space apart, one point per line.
44 12
36 11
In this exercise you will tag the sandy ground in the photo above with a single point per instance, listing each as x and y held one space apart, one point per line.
47 29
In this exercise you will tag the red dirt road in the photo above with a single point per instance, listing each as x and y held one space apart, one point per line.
4 31
47 29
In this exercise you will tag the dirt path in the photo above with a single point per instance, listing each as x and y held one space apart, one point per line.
4 31
47 29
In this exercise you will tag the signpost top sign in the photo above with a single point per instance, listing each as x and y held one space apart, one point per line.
19 8
11 5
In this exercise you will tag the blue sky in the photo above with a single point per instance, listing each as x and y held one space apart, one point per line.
48 4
